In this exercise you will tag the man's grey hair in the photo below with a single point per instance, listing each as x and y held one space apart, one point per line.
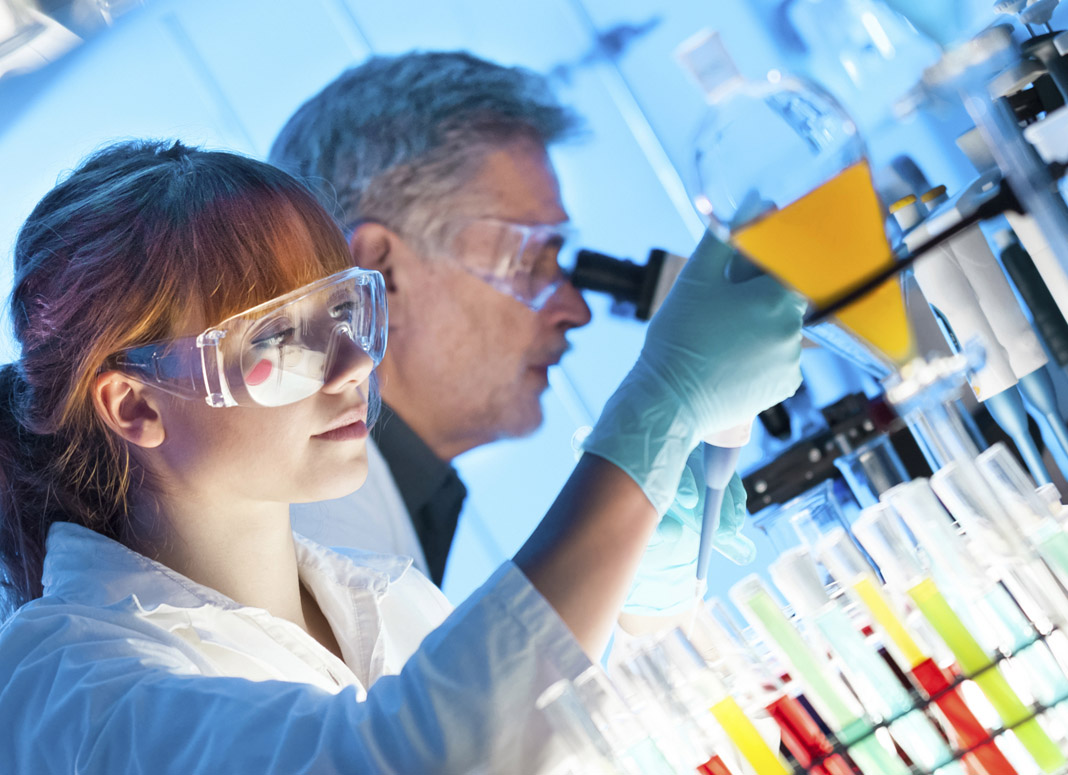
392 140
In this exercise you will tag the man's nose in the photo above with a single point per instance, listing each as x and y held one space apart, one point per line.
567 308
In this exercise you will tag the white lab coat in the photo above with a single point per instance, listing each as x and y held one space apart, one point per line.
373 518
125 666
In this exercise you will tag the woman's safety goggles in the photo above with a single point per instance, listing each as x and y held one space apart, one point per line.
276 353
521 260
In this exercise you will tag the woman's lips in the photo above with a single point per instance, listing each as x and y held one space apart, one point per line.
351 432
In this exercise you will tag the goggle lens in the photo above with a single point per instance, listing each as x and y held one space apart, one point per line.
287 353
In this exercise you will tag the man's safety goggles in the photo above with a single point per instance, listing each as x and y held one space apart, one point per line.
521 260
276 353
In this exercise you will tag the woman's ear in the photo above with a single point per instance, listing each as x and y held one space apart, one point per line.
128 409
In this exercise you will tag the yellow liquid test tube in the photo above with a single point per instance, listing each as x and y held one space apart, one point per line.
747 739
977 664
883 615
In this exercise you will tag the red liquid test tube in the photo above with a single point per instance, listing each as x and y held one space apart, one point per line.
987 758
713 766
804 739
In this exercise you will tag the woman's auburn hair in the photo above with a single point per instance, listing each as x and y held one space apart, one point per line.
136 242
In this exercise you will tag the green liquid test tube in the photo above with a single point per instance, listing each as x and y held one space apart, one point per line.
986 756
880 692
964 490
1052 542
1023 510
975 663
1048 683
852 731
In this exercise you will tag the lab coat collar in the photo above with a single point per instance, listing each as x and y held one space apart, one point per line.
85 567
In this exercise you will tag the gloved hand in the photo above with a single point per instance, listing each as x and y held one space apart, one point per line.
715 355
665 582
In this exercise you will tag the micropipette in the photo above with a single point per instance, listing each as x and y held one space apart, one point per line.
720 458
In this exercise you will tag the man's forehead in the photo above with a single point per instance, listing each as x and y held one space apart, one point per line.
515 182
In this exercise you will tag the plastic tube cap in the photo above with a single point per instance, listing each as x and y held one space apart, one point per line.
879 532
837 551
977 508
705 58
932 526
796 576
1013 488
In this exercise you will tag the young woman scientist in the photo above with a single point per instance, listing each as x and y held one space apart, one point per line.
196 354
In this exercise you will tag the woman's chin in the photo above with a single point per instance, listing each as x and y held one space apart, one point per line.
348 482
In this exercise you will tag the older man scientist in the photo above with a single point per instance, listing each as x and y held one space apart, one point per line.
436 166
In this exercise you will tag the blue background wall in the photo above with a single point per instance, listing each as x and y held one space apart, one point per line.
227 73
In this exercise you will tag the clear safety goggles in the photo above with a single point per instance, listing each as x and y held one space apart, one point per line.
519 259
273 354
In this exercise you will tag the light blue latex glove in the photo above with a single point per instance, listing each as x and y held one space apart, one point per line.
715 355
664 584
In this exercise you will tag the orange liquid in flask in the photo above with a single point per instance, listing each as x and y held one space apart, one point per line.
826 242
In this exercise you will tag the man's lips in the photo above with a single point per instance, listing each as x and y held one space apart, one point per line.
551 359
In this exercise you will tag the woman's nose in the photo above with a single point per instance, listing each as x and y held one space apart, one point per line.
349 364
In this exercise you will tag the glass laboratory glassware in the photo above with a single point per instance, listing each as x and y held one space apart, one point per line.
781 173
862 52
668 706
1010 601
629 746
798 579
871 469
1024 509
679 676
883 536
926 396
834 702
912 645
788 524
755 684
1007 534
964 73
584 747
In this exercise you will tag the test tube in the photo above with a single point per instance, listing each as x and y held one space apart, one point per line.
1024 508
885 541
631 745
871 469
777 521
587 748
691 674
666 700
965 492
752 681
834 701
796 576
987 499
838 553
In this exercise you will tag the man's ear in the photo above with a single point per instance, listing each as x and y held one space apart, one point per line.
374 246
129 409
